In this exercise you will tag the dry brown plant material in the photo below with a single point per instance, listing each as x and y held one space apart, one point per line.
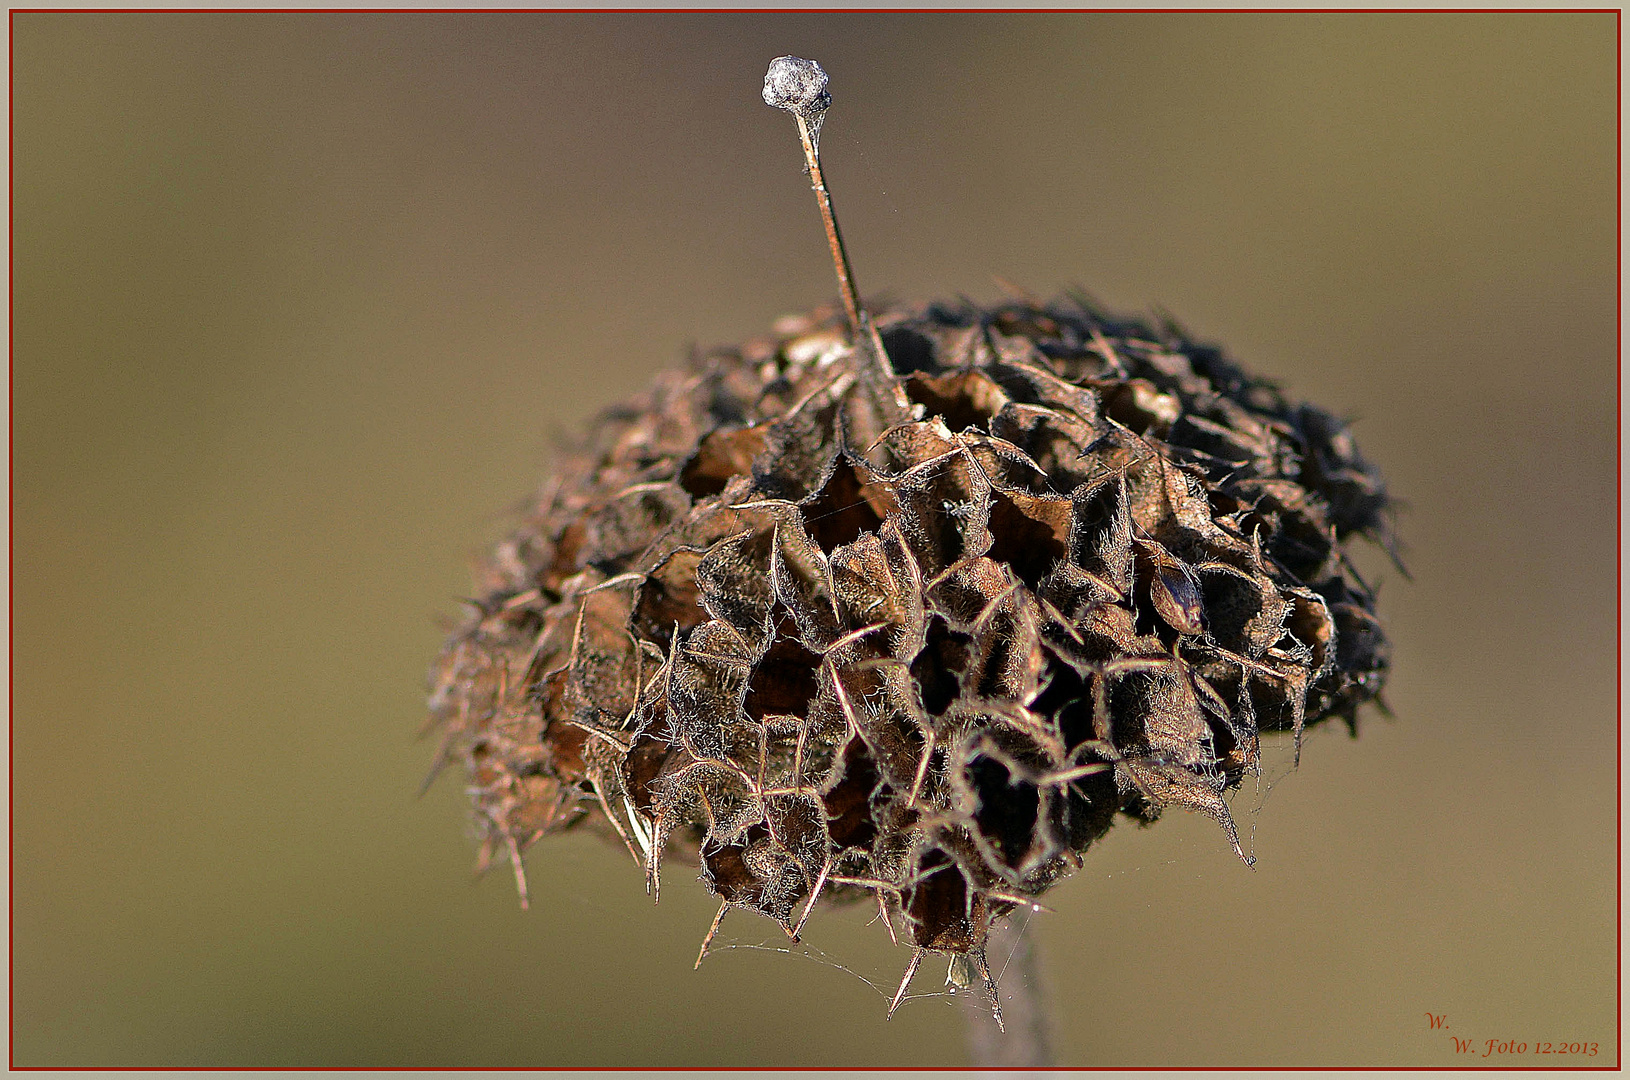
921 636
911 608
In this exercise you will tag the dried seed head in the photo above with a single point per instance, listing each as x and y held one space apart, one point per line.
772 624
914 611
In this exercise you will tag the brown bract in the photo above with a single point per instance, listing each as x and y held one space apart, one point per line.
827 631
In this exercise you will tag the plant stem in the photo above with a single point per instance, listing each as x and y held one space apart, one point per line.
1026 1042
840 256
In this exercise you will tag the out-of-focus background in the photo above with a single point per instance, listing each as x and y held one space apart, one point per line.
302 302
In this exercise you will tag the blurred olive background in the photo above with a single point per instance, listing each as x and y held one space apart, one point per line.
302 303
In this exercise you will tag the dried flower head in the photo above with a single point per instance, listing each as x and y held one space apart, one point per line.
912 609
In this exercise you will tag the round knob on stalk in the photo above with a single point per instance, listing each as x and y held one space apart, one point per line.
798 86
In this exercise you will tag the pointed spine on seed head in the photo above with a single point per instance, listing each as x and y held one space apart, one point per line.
905 981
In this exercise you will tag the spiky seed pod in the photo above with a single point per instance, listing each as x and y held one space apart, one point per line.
917 626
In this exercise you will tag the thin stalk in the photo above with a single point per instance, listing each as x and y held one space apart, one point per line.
1025 1043
834 239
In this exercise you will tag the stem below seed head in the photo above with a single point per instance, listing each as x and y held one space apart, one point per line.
799 86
